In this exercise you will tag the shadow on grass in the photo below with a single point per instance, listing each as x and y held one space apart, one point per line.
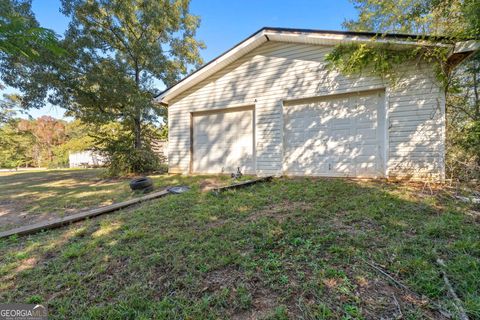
29 197
293 248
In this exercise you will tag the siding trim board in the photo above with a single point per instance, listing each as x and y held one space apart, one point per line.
458 51
278 75
190 167
387 135
294 101
223 109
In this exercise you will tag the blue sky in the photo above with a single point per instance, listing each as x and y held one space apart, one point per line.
225 23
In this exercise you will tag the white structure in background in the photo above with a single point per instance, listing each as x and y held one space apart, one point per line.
91 158
87 158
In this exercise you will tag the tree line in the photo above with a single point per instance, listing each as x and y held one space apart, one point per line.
47 142
42 142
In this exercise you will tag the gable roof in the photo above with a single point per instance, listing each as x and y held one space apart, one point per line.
305 36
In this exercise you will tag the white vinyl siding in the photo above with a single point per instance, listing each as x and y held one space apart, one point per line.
276 72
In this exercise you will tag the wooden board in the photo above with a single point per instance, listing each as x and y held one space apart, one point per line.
58 222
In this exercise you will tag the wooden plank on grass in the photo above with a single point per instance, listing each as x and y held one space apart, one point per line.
242 184
58 222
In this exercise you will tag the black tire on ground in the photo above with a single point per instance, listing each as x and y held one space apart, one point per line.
148 189
141 183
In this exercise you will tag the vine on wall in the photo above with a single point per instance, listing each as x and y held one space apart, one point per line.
385 60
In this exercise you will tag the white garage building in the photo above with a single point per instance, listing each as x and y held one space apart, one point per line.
272 106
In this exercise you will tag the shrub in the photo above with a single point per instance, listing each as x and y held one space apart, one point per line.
116 143
132 161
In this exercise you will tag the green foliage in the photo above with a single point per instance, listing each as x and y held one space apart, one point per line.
15 146
23 44
48 133
124 162
26 53
117 142
450 19
454 20
463 151
77 139
463 121
34 299
116 51
472 137
379 60
8 106
20 33
41 142
384 61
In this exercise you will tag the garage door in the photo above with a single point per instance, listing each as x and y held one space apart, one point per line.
223 141
339 136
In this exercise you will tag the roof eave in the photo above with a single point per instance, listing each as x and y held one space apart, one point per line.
462 51
224 59
292 36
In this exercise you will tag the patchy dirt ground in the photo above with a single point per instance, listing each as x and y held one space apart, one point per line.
211 183
28 197
32 196
286 249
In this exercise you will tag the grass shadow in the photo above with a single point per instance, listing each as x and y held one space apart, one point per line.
292 248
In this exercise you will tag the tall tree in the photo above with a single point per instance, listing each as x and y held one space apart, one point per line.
118 52
20 33
454 20
22 43
48 133
16 146
8 107
126 47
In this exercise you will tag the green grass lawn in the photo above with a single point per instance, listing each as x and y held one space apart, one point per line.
288 249
31 196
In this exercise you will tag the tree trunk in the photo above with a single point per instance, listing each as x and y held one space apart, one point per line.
476 96
137 128
137 122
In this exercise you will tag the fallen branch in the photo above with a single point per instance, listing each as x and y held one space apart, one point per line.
400 314
456 300
431 305
397 283
474 200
